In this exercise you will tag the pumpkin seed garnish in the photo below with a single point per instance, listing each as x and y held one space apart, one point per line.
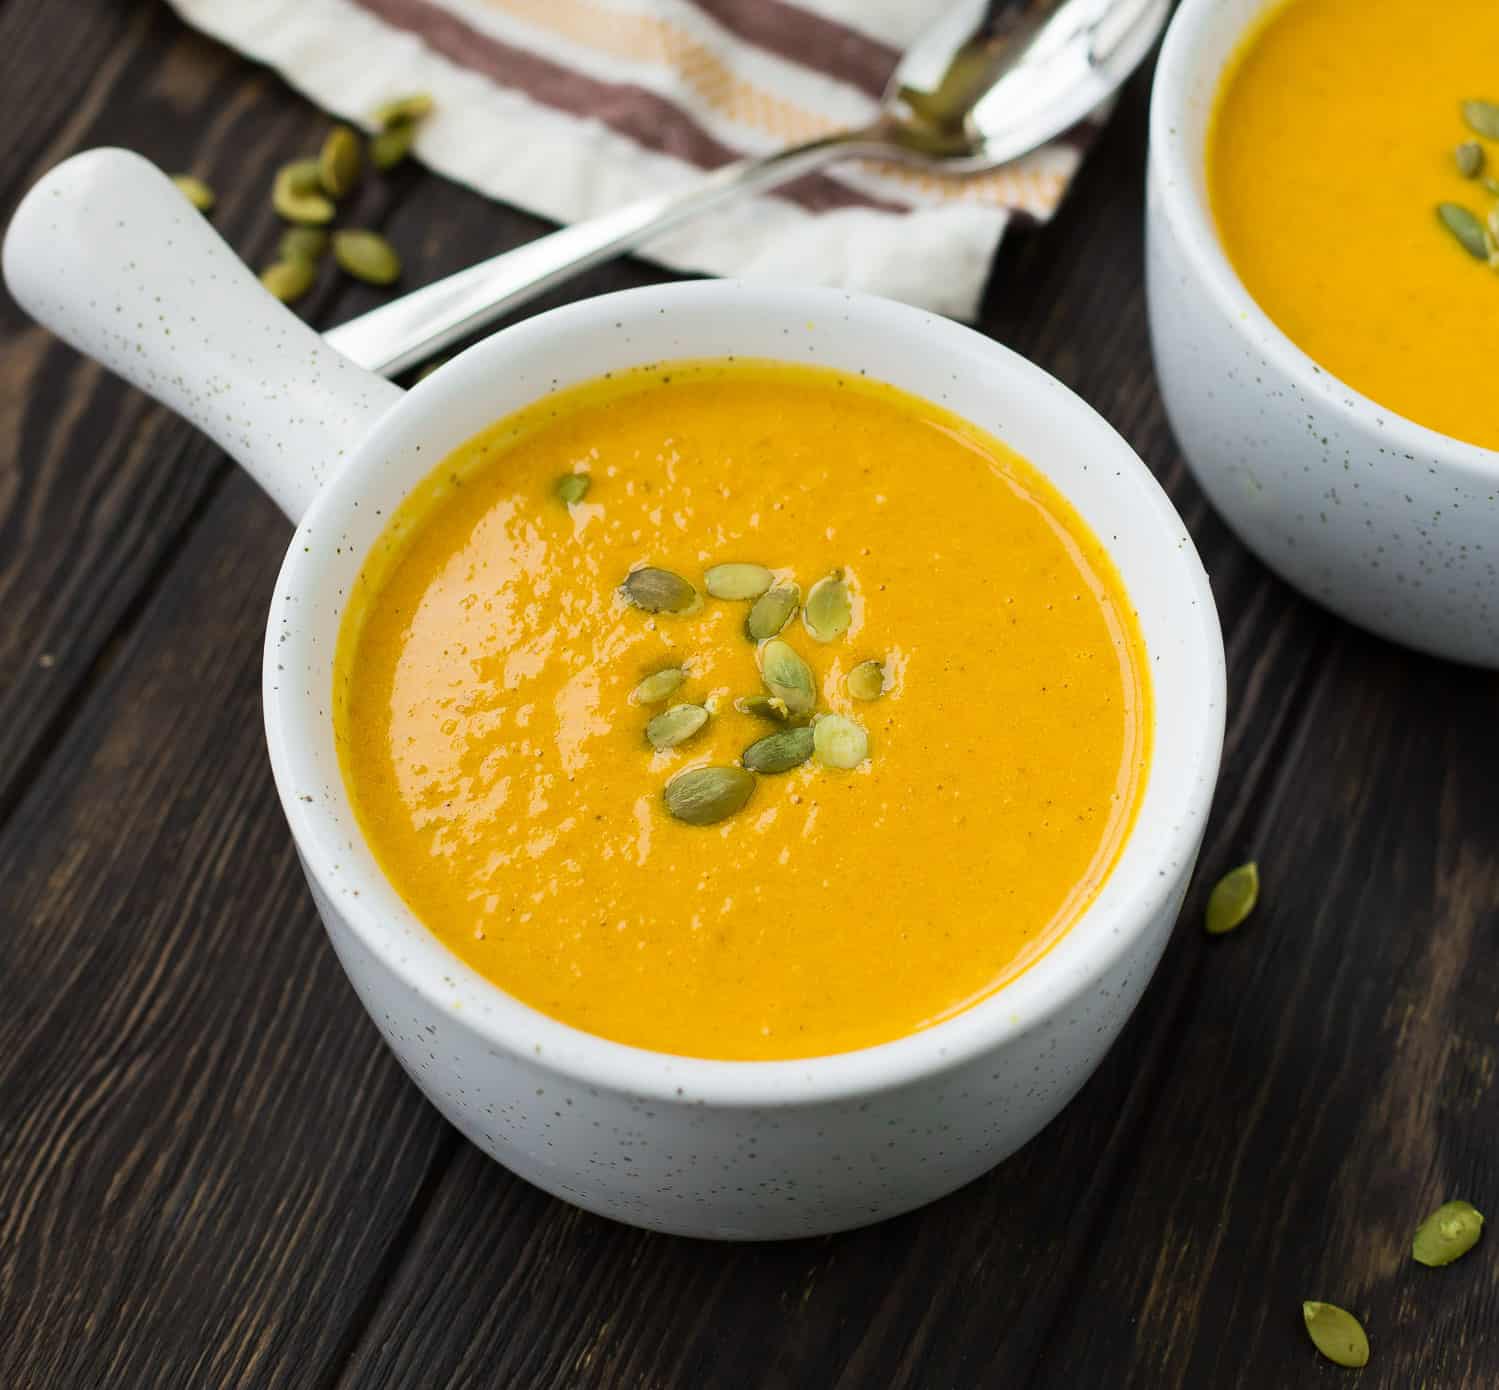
763 707
198 193
1337 1334
1232 899
572 487
297 194
1469 159
676 725
339 161
1482 118
772 611
303 244
399 111
829 609
867 680
1466 228
779 752
787 676
390 147
738 581
658 685
366 256
705 795
289 280
839 742
1448 1233
659 591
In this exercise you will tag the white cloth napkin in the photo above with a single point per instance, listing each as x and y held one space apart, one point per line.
569 108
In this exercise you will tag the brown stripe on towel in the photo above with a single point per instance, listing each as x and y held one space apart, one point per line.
632 111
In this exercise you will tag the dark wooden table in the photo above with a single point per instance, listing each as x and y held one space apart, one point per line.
213 1174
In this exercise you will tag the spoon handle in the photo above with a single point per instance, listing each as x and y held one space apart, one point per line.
410 329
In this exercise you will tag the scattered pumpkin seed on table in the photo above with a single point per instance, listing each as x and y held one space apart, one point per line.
772 611
1232 899
303 244
779 752
1466 229
390 147
572 487
1336 1333
401 111
737 581
296 194
706 795
867 680
787 676
366 256
839 742
659 591
675 726
658 685
1447 1234
339 162
829 608
198 193
289 280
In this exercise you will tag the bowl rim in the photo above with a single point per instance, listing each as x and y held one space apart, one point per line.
1175 186
1187 764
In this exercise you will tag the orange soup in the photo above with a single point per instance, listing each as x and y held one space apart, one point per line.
582 774
1333 145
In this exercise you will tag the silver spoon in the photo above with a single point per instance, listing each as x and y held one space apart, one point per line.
992 80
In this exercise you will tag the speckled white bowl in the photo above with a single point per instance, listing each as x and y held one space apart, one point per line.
106 253
1390 524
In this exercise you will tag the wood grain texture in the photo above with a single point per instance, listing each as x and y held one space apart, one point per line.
211 1173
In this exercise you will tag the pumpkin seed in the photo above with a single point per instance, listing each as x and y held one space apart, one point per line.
787 676
867 681
705 795
772 611
366 256
839 742
289 280
738 581
676 725
1449 1232
297 194
658 685
198 193
572 487
829 609
659 591
779 752
303 244
1466 228
407 110
1232 899
390 147
1482 118
763 707
339 162
1469 159
1337 1334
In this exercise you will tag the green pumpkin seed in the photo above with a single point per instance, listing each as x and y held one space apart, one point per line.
676 725
297 194
867 681
198 193
706 795
289 280
339 162
1449 1232
1469 159
303 244
659 591
738 581
366 256
763 707
390 147
772 611
401 111
779 752
658 685
1466 228
1338 1335
787 676
839 742
1233 899
572 487
829 608
1482 118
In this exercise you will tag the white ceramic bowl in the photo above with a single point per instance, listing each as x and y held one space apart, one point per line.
731 1149
1390 524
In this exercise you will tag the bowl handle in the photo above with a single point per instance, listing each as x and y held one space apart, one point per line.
108 254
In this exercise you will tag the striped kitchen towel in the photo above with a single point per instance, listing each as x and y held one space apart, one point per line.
569 108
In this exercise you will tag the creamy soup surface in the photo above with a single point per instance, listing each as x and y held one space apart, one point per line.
1330 149
497 761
